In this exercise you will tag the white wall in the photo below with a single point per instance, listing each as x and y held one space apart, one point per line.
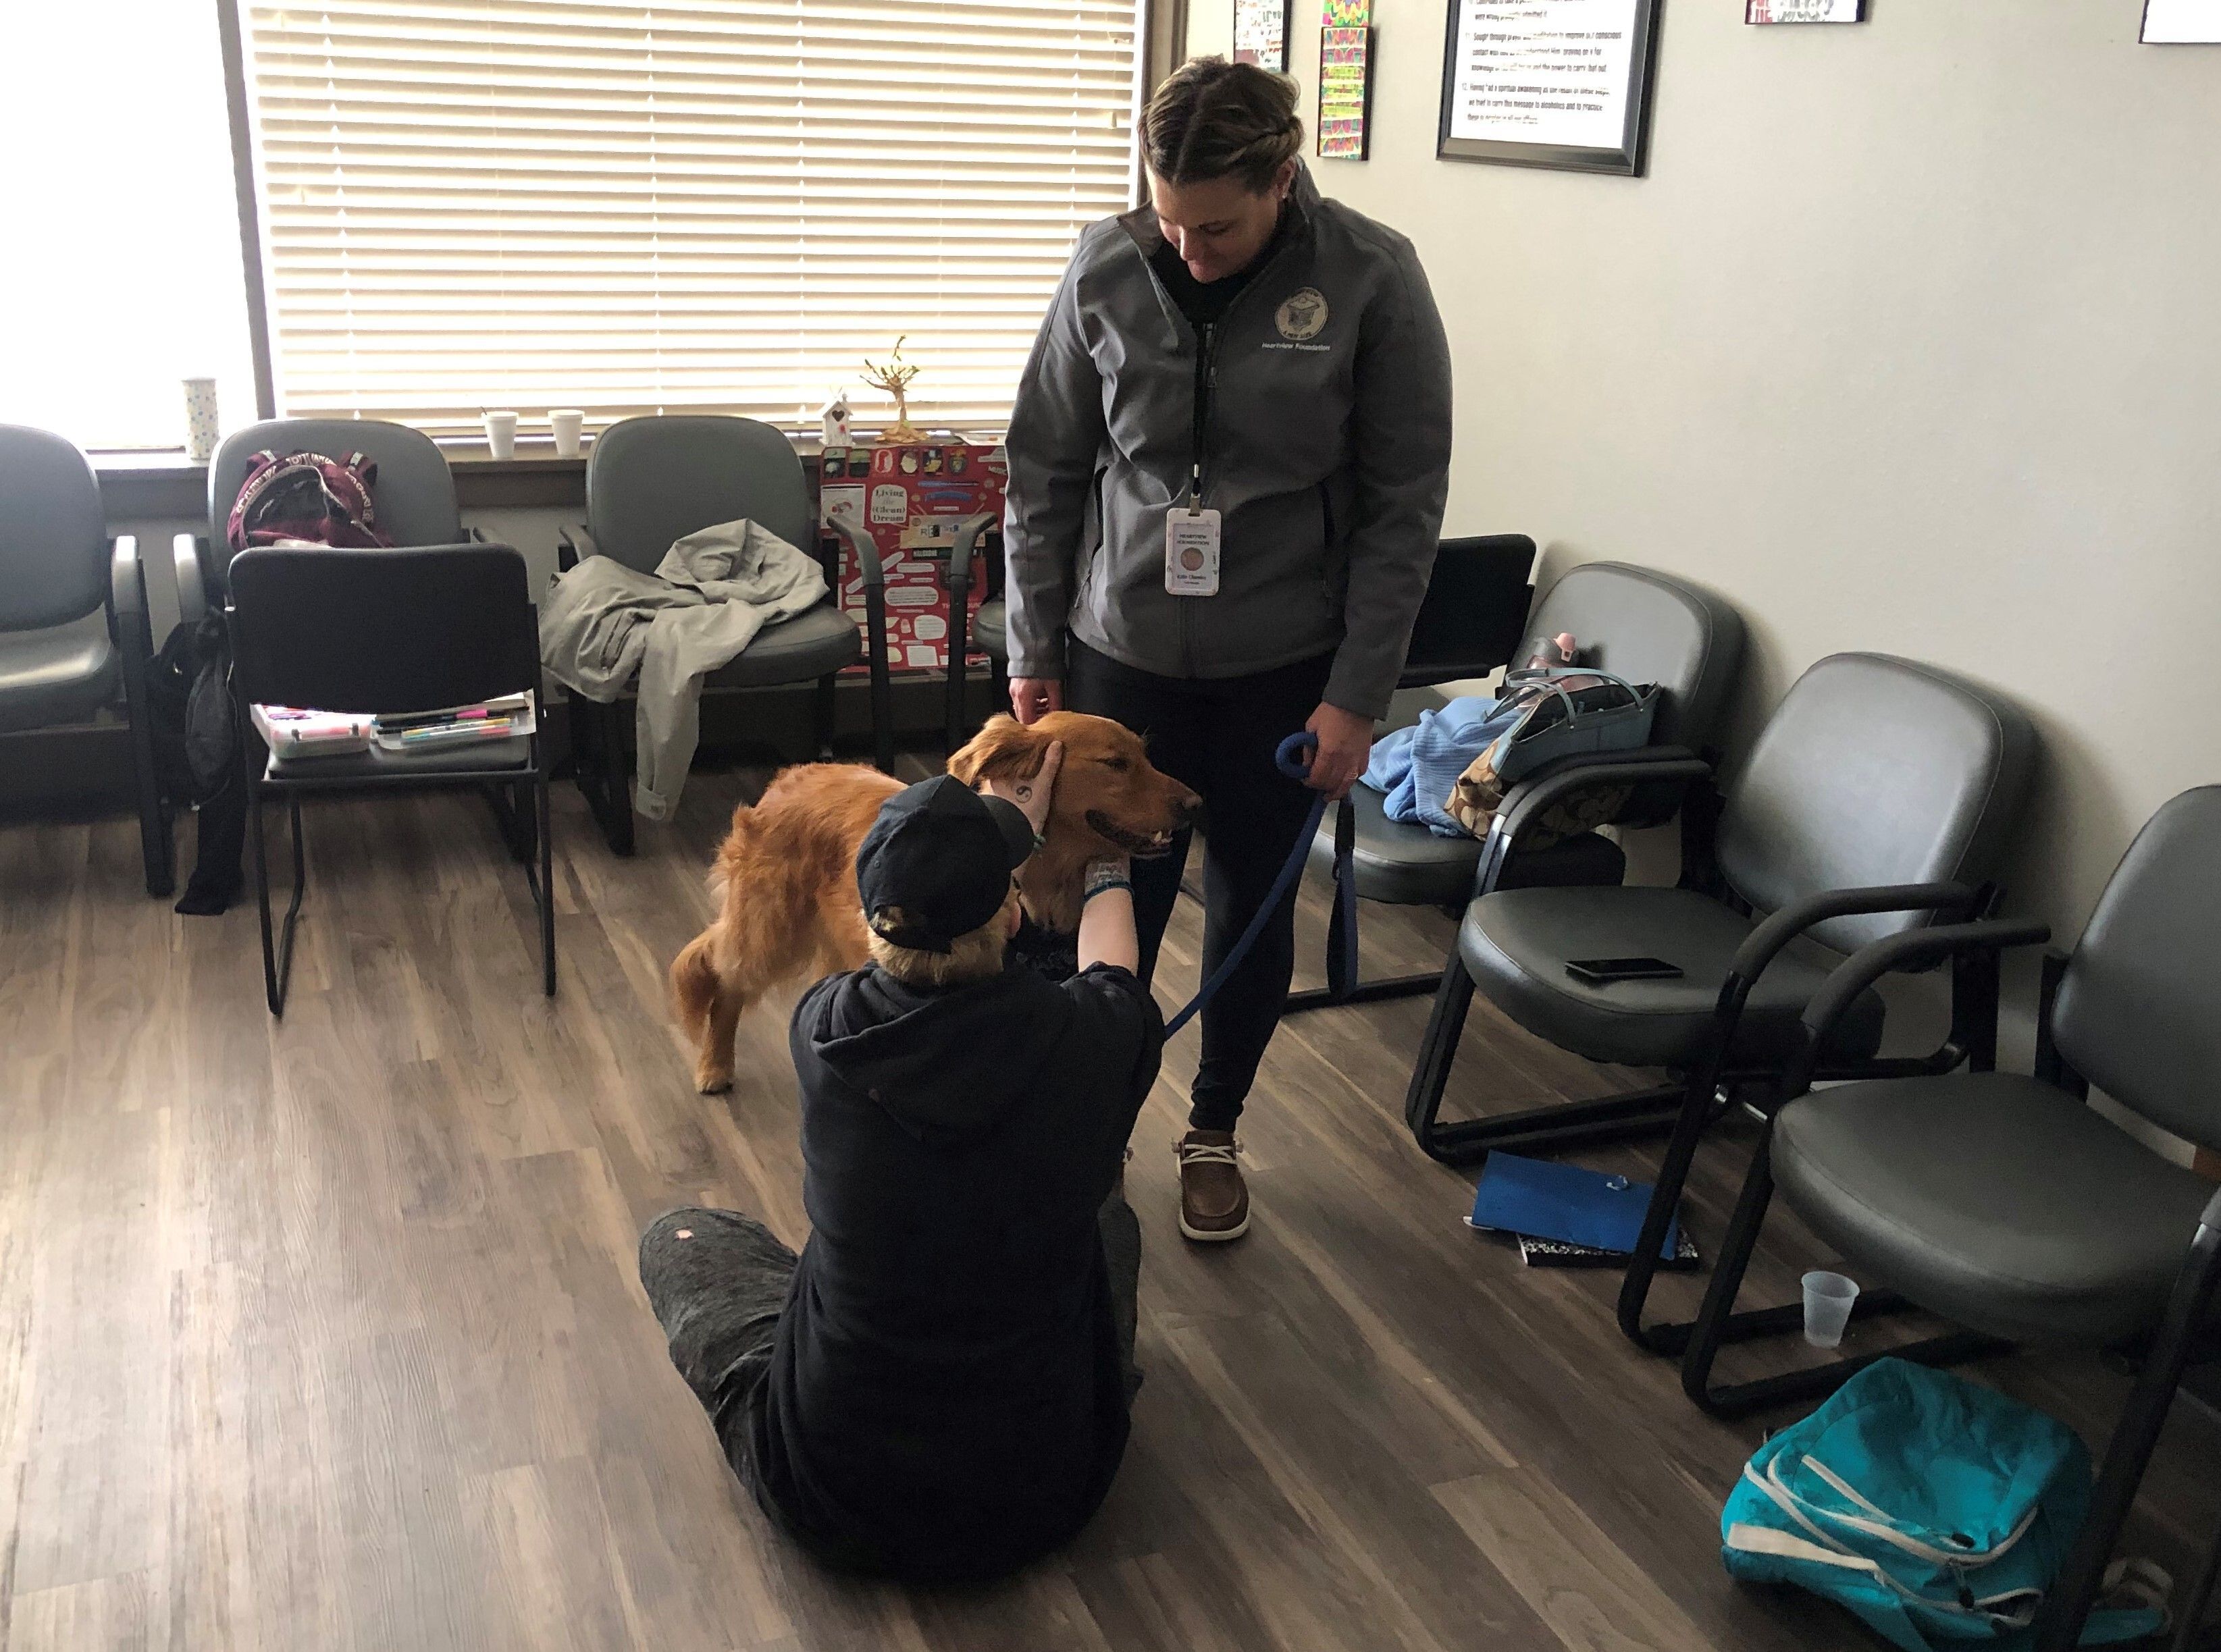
1910 341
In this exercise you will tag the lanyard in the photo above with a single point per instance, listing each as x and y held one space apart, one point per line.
1203 351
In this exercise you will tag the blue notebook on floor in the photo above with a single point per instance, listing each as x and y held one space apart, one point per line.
1544 1199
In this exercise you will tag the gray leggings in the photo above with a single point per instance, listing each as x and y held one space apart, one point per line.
718 1295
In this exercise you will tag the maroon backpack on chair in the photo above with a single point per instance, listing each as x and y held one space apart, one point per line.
306 496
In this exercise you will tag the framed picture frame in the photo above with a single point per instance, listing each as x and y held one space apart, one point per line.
1805 11
1261 34
2180 22
1517 91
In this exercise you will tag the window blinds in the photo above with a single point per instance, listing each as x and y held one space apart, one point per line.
724 205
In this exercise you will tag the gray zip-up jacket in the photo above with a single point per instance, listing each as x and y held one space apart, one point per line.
1325 398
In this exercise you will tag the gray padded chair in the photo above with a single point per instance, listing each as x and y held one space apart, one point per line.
1635 622
1880 791
2005 1203
73 626
414 494
651 482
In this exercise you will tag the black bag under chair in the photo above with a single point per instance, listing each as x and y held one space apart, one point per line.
2006 1203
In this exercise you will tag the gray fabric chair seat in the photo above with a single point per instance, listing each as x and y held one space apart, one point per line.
814 644
515 752
1515 943
62 674
1406 865
1993 1200
991 629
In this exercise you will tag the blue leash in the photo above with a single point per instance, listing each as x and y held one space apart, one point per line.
1293 759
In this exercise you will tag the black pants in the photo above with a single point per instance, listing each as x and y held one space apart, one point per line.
1218 736
719 1292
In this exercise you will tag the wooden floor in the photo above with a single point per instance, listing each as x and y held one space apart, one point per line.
325 1334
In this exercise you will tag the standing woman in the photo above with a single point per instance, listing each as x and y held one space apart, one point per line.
1227 459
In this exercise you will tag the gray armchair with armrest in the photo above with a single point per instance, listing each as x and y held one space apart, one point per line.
73 626
651 482
2005 1203
1634 622
1879 795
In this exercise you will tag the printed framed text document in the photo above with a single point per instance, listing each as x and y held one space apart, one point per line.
2181 22
1549 83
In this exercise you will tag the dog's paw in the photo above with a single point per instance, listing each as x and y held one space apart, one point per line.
714 1083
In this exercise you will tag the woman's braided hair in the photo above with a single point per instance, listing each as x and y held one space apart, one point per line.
1215 119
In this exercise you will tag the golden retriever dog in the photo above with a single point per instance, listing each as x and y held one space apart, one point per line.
785 877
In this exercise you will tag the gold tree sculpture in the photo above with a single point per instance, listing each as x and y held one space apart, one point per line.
894 378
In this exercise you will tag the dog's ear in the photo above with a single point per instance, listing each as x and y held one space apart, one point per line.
1004 749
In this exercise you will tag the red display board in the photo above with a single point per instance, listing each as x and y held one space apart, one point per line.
910 500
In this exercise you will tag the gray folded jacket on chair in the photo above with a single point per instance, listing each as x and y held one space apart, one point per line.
705 603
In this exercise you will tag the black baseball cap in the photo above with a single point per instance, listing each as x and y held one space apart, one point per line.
936 864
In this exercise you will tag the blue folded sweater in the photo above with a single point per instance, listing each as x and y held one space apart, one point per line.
1417 767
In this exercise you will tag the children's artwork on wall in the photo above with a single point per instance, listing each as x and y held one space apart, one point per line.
1345 91
1346 14
2181 22
1805 11
1261 34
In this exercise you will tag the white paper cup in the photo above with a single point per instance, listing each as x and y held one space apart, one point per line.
201 427
501 434
1828 1299
567 423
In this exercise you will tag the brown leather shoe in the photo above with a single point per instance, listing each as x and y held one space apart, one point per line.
1214 1203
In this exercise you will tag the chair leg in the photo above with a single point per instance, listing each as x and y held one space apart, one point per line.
2059 1621
1699 1109
822 714
545 889
1430 1074
1717 1323
156 840
277 954
1364 992
603 768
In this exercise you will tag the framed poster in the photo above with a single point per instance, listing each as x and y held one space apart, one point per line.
1261 34
2181 22
1549 83
1345 92
1805 11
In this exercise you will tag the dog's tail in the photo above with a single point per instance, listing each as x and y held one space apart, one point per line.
694 986
737 844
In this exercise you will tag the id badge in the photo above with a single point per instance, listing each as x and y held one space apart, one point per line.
1192 553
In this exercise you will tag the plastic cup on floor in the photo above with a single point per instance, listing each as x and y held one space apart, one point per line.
1828 1299
501 434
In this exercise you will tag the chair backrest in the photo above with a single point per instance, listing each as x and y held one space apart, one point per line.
382 631
1642 625
2139 1008
415 493
653 481
54 539
1469 622
1874 770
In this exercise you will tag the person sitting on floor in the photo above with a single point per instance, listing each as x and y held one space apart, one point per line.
937 1389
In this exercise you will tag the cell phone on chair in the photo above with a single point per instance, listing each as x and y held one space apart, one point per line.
1602 972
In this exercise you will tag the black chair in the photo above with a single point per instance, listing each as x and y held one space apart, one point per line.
1637 623
651 482
412 629
73 624
2006 1204
976 554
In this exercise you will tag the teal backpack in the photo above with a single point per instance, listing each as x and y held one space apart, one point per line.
1936 1510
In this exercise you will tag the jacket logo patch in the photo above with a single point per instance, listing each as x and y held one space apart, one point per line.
1303 315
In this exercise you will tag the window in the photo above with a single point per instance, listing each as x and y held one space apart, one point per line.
723 205
121 274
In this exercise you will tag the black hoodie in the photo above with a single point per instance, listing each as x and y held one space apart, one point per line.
945 1399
